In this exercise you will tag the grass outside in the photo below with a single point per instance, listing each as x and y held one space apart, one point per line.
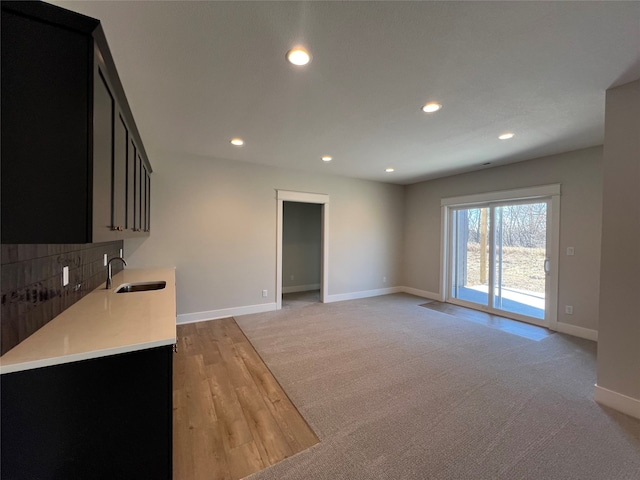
522 268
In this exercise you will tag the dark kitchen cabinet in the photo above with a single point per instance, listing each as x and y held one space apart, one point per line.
138 196
120 143
103 160
113 141
131 185
145 201
148 197
103 418
137 187
68 135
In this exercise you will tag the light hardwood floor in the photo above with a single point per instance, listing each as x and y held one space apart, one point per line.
231 418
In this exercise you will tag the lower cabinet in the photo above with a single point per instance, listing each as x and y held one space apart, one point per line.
104 418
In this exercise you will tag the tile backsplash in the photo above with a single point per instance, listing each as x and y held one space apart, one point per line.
32 291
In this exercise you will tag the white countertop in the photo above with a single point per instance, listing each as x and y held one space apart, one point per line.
103 323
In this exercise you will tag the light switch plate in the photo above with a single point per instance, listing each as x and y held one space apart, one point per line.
65 276
570 251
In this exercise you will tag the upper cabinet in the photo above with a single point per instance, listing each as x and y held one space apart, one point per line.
74 169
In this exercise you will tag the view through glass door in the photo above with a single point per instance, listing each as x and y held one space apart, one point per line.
499 258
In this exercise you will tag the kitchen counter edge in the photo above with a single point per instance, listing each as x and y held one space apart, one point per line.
21 358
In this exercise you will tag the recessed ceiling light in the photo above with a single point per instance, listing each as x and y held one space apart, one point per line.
431 107
326 158
298 56
389 170
506 136
238 142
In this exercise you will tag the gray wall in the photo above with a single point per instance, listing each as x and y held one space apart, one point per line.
301 244
619 336
579 173
215 221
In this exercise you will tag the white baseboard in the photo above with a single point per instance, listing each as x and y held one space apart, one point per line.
363 294
224 313
617 401
301 288
422 293
576 331
268 307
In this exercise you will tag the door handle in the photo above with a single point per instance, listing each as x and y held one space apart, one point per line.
547 266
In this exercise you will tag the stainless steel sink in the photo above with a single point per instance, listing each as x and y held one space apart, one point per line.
141 286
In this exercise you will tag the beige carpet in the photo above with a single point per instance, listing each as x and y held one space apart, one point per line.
396 391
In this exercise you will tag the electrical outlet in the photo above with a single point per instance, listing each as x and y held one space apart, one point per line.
384 279
264 293
292 277
568 309
65 276
105 259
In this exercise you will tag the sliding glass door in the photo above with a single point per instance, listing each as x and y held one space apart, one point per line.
470 254
499 258
520 239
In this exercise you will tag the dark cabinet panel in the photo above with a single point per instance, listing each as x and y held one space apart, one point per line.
137 200
45 131
131 185
103 134
145 199
141 196
119 191
66 128
148 203
104 418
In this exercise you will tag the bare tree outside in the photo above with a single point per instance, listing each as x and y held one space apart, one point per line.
522 225
520 241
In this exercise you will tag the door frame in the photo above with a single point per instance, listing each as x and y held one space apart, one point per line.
543 192
303 197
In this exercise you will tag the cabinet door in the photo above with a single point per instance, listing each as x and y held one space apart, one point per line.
119 191
103 134
131 185
64 147
44 129
137 194
145 199
148 190
105 418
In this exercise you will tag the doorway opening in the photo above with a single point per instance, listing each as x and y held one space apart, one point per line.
502 254
301 253
302 266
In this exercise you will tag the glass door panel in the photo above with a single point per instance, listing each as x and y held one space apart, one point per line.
470 273
520 242
499 258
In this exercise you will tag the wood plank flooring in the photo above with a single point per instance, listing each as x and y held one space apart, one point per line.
231 418
532 332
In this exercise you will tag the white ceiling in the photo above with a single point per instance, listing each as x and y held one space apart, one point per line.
198 73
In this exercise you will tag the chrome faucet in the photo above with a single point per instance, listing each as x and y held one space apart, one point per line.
109 270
